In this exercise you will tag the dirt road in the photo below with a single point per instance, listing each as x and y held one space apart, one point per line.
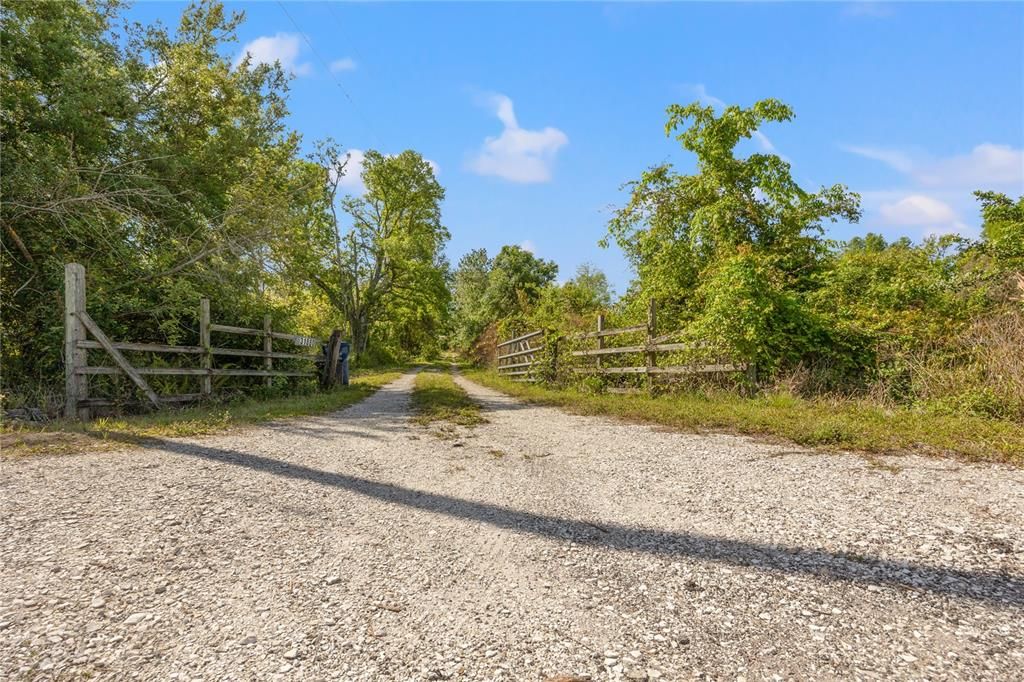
359 546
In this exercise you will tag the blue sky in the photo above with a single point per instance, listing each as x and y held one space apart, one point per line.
536 113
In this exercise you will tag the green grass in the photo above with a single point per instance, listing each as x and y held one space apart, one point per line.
824 424
437 398
64 437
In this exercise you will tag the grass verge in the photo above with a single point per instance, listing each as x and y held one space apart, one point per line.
829 425
110 433
436 397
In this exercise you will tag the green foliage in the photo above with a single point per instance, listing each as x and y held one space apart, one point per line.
170 173
470 310
573 304
503 289
1003 228
735 258
728 252
897 295
149 160
386 273
516 279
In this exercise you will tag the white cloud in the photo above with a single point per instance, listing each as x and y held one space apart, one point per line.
518 154
352 181
938 191
986 166
918 210
345 64
766 144
283 47
890 157
529 246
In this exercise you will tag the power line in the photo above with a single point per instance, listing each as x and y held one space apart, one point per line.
362 62
327 68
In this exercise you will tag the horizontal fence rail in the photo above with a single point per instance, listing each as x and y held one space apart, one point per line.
294 338
195 372
676 369
522 338
198 350
79 326
653 345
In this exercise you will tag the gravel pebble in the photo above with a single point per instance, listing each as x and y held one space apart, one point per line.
595 550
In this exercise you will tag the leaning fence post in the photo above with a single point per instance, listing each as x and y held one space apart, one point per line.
651 333
204 341
268 347
76 386
330 371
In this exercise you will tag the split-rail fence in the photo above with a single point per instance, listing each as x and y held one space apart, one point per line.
522 362
79 326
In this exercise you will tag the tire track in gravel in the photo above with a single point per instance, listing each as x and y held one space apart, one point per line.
358 546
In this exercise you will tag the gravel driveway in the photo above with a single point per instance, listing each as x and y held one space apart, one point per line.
358 546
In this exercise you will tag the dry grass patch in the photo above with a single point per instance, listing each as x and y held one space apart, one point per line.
824 424
437 398
111 433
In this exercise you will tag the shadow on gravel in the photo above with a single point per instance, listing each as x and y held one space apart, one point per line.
987 586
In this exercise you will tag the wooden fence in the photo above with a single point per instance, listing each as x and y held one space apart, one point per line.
523 363
519 356
78 326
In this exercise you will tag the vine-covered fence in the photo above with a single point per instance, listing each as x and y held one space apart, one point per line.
641 357
79 326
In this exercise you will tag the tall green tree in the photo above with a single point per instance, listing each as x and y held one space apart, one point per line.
588 291
387 262
470 312
516 279
1003 227
147 157
728 250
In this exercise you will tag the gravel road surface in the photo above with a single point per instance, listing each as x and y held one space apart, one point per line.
358 546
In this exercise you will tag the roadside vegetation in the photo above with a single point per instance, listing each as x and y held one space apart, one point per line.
437 398
110 433
150 156
873 343
838 424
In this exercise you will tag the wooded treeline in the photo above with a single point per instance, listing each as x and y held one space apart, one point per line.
170 172
736 258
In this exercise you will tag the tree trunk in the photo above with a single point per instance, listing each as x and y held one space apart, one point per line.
360 327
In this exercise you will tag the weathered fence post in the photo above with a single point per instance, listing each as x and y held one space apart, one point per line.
268 347
652 332
330 373
204 341
600 339
76 386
